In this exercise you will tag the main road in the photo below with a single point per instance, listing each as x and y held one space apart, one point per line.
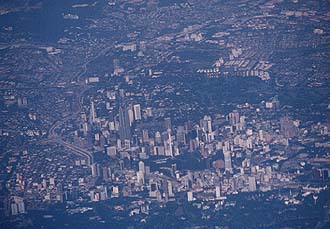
53 135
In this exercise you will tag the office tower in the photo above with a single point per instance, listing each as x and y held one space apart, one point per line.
158 138
174 168
105 173
217 192
226 147
44 184
227 156
168 145
105 191
13 209
145 136
121 165
22 102
170 189
130 115
167 123
124 128
249 143
143 155
52 181
159 196
17 206
149 112
252 184
137 112
127 144
153 189
110 174
141 167
159 150
190 196
115 191
206 124
85 128
135 140
261 135
234 118
94 170
140 177
242 122
181 135
193 145
92 113
59 192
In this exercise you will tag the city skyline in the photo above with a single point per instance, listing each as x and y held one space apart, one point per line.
164 114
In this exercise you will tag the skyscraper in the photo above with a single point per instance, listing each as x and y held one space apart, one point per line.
206 124
217 192
92 113
124 128
168 144
252 184
234 118
137 112
168 124
130 115
141 167
190 196
227 156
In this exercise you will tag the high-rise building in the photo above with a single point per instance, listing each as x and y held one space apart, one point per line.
153 189
167 123
92 113
206 124
145 136
130 115
158 138
181 135
149 112
141 167
115 191
234 118
261 135
252 184
190 196
168 145
217 192
124 128
16 205
94 170
227 156
170 189
137 112
59 192
140 177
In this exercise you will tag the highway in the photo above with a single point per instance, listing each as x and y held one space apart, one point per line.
52 133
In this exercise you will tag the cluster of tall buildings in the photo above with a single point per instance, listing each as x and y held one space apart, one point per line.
226 145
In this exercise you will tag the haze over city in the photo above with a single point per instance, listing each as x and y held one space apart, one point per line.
164 114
